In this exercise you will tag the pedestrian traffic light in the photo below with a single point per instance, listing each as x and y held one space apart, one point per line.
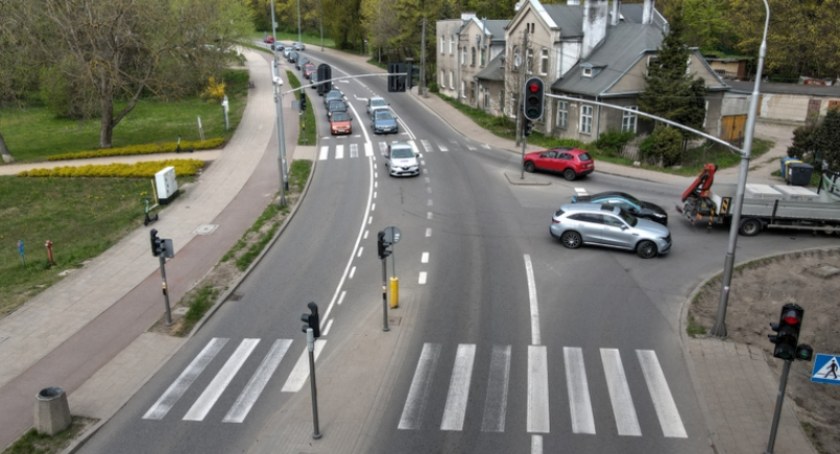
312 320
302 102
533 107
382 245
529 125
157 243
787 332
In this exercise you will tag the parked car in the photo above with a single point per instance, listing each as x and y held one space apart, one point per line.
298 46
313 79
384 122
333 94
336 105
268 39
292 57
572 163
402 160
634 206
341 123
300 61
576 224
375 103
308 69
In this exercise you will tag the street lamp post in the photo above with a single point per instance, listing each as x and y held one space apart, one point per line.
281 135
719 329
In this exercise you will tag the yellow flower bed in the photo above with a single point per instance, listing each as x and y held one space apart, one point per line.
146 148
183 167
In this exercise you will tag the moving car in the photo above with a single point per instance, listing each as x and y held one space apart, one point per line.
402 160
336 105
341 123
277 46
375 103
634 206
292 57
384 122
572 163
576 224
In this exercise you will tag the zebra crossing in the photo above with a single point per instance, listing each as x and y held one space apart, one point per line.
338 151
219 384
578 389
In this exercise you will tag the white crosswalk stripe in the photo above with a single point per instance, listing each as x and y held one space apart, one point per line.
259 380
211 394
354 150
578 391
340 151
427 146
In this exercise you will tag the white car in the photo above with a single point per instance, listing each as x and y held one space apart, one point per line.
402 160
375 103
298 46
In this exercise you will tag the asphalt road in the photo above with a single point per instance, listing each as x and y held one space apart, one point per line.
504 340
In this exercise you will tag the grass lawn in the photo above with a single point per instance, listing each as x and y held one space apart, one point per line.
33 133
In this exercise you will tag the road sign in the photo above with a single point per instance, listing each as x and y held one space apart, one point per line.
826 369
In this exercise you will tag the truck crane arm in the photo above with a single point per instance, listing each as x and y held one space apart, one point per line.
700 186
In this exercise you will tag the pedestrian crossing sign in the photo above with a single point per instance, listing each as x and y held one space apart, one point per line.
826 369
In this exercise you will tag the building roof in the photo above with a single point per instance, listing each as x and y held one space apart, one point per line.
746 87
624 45
495 69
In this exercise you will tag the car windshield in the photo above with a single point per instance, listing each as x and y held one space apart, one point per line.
337 105
377 102
402 153
628 218
383 115
341 116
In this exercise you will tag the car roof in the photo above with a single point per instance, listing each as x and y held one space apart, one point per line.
337 116
589 208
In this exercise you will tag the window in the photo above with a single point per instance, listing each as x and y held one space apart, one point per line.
529 60
629 120
486 99
586 119
472 56
483 54
544 61
442 78
463 89
451 44
442 44
451 80
463 56
652 60
587 72
562 120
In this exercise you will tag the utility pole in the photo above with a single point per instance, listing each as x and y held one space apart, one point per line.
422 84
298 11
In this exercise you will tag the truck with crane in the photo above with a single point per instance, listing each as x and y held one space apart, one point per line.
765 206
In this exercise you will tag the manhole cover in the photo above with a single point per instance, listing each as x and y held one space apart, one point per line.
206 229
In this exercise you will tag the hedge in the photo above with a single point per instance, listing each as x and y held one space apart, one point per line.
183 167
146 148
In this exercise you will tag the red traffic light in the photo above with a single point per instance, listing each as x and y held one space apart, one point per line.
791 317
533 87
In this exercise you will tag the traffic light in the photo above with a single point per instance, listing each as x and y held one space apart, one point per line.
312 320
396 82
382 245
787 333
324 78
529 125
302 102
533 107
157 243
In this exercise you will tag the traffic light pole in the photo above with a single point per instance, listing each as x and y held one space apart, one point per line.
162 259
385 295
310 344
780 398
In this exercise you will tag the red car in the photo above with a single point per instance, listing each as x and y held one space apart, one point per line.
570 162
308 69
341 123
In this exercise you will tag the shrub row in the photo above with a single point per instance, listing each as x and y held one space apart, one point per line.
183 167
146 148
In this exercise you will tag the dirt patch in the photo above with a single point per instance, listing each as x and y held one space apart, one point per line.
810 279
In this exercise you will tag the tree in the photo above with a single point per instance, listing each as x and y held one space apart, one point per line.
112 53
662 147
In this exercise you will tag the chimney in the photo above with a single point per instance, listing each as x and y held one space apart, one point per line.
594 25
647 12
616 14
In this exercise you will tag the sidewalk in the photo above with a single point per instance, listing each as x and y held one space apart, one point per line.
91 338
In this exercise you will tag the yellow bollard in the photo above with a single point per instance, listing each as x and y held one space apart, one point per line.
395 292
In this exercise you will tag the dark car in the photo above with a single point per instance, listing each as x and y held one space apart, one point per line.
634 206
572 163
292 57
336 105
333 94
384 122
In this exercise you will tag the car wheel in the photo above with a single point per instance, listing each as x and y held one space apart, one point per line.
750 227
529 167
571 239
569 174
646 249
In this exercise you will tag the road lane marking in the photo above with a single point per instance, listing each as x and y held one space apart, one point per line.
326 330
536 444
455 408
246 400
424 257
354 150
324 154
622 401
421 279
663 400
300 373
428 232
580 403
339 152
418 391
211 394
368 151
538 417
532 301
177 389
495 403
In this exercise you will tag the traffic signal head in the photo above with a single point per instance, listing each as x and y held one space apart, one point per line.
302 102
382 245
534 94
787 332
396 82
157 243
529 125
312 320
324 78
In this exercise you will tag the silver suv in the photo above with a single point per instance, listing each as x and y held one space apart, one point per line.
603 225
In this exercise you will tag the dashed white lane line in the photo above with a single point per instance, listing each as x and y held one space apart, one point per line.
424 258
421 279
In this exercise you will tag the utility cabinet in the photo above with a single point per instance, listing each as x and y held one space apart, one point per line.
166 185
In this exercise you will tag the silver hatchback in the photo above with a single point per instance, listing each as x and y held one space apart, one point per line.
603 225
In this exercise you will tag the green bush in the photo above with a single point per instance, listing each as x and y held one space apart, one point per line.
146 148
183 167
664 146
613 142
